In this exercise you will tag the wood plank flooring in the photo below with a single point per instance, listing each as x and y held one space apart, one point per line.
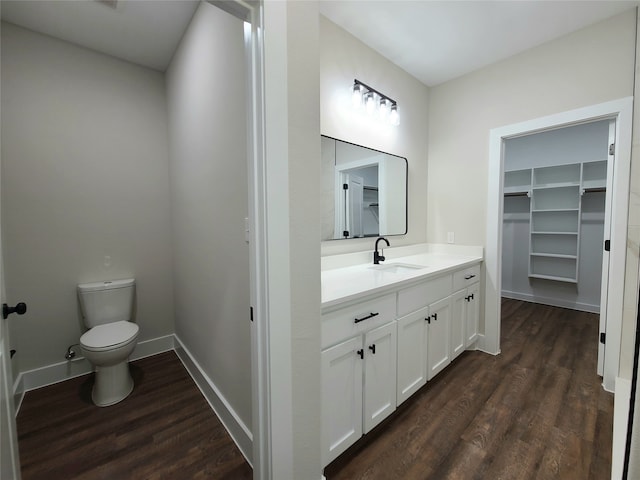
164 430
537 411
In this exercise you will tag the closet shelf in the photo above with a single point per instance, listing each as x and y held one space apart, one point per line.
554 233
546 210
555 213
555 185
552 277
554 255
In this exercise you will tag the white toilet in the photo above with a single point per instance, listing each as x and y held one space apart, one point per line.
106 308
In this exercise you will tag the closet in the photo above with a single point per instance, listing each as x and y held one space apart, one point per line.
554 216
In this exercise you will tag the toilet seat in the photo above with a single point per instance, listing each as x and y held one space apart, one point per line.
109 336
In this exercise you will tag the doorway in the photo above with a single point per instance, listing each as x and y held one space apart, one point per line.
556 218
621 111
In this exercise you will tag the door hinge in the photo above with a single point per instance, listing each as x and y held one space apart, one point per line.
345 186
607 245
251 313
612 149
603 337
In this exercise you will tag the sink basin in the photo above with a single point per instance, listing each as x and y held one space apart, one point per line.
397 267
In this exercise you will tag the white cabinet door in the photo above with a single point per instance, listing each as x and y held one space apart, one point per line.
412 354
438 336
473 313
458 321
341 397
380 374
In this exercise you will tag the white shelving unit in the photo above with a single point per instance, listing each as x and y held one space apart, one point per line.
555 214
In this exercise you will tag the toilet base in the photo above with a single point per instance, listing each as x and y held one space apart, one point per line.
112 384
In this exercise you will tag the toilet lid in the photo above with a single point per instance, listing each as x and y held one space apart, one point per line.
109 334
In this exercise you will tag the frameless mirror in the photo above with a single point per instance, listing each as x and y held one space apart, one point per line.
364 191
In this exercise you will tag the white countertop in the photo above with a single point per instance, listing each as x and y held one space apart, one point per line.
346 284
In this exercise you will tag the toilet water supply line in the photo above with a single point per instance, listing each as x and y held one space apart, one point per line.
71 353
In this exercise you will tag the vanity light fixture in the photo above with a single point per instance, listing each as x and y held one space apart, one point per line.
375 102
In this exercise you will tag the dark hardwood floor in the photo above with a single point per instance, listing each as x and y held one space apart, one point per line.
164 430
537 411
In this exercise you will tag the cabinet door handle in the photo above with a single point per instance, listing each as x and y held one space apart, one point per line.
428 319
468 277
358 320
468 298
435 316
361 353
471 296
373 348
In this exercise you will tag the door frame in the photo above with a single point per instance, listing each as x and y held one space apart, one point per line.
622 111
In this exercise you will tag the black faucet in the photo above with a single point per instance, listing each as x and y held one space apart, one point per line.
377 258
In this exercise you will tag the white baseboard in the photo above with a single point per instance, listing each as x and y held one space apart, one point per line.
554 302
59 372
620 419
235 426
481 346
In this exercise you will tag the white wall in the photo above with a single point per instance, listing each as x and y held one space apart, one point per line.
208 172
557 76
343 58
293 238
581 143
84 176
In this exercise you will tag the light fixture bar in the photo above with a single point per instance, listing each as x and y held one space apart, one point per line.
370 89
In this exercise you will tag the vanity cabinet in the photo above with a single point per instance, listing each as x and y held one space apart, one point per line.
358 373
379 352
424 312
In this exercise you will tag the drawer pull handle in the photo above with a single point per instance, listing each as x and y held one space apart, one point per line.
428 320
371 315
468 277
373 348
361 353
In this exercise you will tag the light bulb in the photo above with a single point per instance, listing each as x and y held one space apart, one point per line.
394 116
384 108
356 95
370 104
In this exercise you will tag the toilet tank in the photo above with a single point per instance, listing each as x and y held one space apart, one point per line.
106 302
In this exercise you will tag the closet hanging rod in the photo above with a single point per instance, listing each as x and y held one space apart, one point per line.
594 190
516 194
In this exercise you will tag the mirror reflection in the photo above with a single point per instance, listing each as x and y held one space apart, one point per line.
364 191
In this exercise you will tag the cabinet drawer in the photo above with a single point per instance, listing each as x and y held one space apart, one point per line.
341 324
464 278
412 298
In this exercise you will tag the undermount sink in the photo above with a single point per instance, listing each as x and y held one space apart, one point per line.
398 267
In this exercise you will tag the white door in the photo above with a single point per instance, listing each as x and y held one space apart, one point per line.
9 460
438 336
341 397
473 313
412 354
458 319
379 374
604 290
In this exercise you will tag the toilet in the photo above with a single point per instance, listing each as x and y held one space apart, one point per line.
112 336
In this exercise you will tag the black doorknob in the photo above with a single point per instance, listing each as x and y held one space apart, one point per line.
20 309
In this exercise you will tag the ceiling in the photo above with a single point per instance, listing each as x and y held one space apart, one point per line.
435 41
143 32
